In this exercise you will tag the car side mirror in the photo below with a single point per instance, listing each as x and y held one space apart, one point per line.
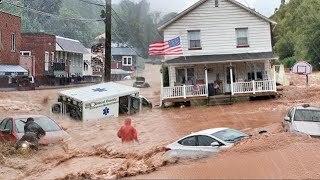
288 119
215 144
6 131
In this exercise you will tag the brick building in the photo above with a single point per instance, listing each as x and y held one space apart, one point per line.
42 48
10 39
10 42
58 60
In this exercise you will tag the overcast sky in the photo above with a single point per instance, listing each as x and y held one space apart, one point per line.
265 7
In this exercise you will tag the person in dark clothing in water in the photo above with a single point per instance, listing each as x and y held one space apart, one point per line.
31 126
32 134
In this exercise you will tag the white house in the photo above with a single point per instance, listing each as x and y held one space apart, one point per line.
227 50
70 52
87 68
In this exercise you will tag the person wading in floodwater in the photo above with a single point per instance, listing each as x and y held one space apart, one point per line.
127 132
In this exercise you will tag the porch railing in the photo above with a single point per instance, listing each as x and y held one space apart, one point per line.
184 91
253 87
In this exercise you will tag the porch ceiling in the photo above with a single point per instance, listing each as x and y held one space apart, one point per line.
222 58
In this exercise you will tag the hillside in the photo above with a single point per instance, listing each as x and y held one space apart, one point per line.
85 31
297 35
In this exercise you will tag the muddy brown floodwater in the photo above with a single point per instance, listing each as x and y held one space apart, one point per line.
93 150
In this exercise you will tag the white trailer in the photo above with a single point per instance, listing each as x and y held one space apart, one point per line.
105 100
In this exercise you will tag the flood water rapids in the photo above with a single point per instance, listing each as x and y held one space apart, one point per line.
94 151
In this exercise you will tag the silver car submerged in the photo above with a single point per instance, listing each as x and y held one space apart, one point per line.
204 143
303 119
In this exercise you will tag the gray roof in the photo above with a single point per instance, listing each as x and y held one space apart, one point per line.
71 45
194 6
124 51
221 58
12 69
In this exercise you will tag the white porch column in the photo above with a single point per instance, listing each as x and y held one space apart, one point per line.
253 86
161 86
231 80
274 78
207 84
184 91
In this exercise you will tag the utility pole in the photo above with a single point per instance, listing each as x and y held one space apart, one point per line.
107 46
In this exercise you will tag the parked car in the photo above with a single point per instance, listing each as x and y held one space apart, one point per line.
204 143
12 129
303 119
141 83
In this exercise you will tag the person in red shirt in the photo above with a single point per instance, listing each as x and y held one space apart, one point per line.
127 132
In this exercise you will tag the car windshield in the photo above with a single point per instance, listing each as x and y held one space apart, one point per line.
307 115
230 135
46 123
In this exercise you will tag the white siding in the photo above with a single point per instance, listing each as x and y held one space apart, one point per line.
217 26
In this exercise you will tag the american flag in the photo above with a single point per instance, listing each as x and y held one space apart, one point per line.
167 48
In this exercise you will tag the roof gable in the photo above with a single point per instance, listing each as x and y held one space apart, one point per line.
200 2
71 45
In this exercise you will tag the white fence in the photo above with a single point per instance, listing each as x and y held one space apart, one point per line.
253 87
184 91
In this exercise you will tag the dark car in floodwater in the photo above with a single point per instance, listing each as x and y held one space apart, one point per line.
303 119
12 129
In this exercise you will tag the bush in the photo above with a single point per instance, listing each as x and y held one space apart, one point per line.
278 62
289 62
165 75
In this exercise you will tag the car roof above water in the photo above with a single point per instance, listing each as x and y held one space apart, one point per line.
210 131
307 107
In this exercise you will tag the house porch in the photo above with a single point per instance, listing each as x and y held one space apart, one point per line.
191 81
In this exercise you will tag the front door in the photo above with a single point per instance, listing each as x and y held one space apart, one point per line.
204 143
227 83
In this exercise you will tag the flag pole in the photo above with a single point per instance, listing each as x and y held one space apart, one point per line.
185 58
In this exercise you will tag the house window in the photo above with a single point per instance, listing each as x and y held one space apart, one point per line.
185 76
52 58
13 42
127 60
216 3
194 40
25 53
46 61
242 37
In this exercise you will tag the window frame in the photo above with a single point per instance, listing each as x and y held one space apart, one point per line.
195 138
127 61
189 40
186 76
22 53
216 3
13 42
4 122
52 57
247 33
46 61
198 140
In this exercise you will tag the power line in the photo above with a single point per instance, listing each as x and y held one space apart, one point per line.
92 3
49 14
